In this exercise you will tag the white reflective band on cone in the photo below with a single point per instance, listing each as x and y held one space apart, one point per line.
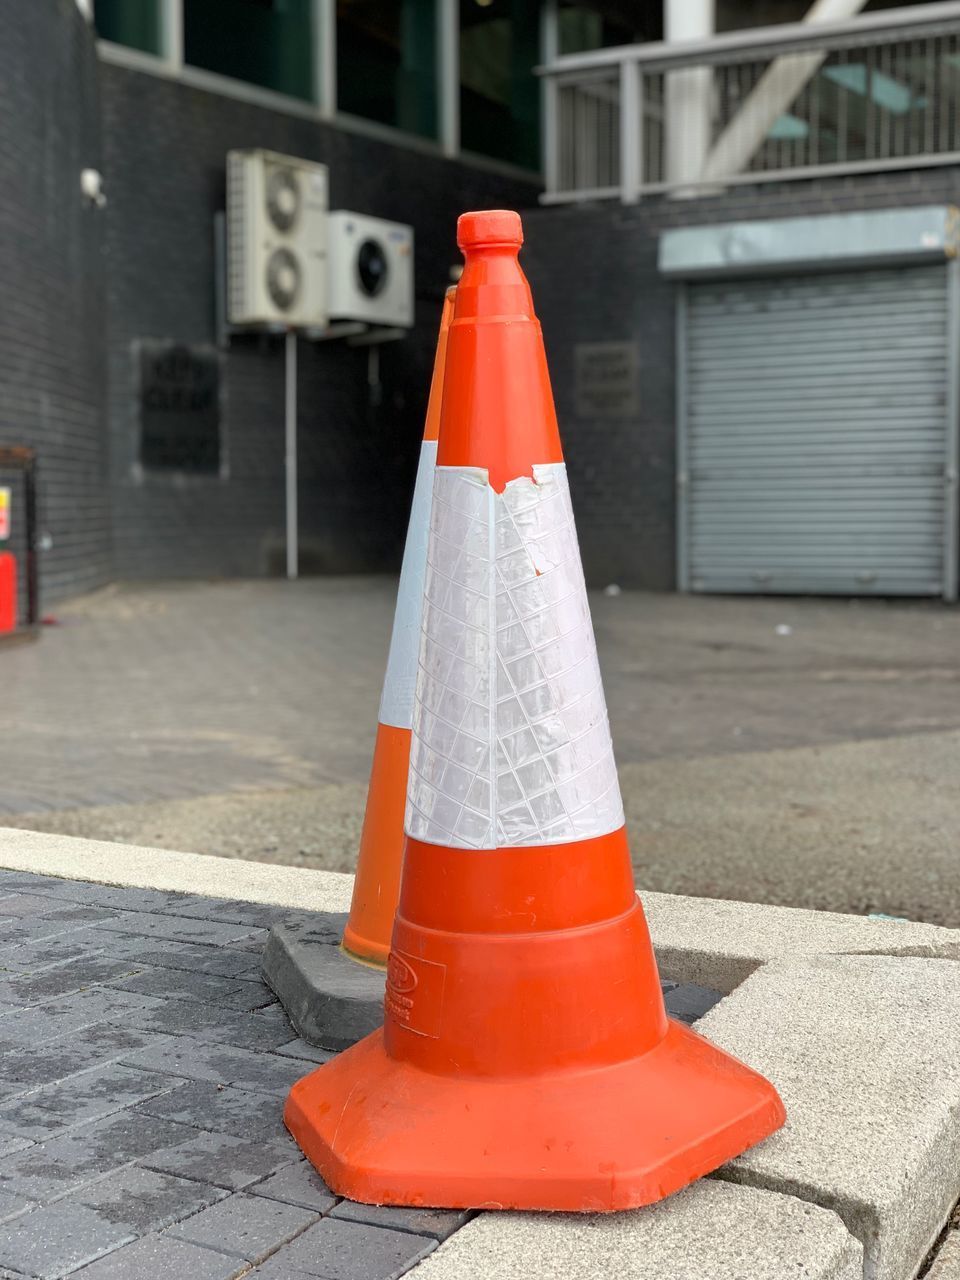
511 744
400 681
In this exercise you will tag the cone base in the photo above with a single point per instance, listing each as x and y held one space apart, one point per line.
365 950
385 1132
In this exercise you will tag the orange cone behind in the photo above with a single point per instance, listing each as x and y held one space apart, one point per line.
377 883
526 1059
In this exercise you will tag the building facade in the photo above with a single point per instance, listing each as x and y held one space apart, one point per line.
599 120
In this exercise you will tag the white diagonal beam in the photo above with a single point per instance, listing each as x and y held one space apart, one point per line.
771 96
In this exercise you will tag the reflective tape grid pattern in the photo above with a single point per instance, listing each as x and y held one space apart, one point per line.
511 743
400 681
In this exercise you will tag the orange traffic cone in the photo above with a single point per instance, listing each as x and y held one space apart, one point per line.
377 884
526 1060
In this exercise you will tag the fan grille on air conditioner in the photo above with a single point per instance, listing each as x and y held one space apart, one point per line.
284 279
276 240
283 199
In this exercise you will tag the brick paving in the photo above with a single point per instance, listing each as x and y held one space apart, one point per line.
143 1066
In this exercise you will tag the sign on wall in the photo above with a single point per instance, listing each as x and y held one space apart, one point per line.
179 399
4 513
605 377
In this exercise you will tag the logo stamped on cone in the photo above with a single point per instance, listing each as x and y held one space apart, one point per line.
400 977
414 994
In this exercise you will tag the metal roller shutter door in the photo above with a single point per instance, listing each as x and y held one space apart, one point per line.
813 433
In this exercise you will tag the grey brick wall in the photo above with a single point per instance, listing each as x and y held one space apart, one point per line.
165 146
52 313
594 273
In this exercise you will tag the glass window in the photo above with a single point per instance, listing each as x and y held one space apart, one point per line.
499 94
387 62
265 42
598 24
135 23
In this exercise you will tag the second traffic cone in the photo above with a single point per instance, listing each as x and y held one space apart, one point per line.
376 886
526 1060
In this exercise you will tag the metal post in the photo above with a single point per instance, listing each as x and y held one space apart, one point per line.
171 18
951 522
325 57
687 93
549 96
682 445
290 454
448 71
630 129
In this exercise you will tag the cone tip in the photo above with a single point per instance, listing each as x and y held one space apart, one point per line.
489 227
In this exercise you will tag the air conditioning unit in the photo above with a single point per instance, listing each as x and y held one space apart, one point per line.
370 270
276 240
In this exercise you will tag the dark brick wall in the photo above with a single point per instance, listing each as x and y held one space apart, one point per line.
594 273
52 312
164 154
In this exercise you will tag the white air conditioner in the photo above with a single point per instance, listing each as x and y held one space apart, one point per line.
276 240
370 270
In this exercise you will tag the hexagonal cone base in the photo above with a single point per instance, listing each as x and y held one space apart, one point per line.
384 1132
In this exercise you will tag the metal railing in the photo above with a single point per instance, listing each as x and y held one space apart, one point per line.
881 91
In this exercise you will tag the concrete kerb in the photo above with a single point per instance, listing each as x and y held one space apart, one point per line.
897 967
136 867
718 943
865 1051
710 1231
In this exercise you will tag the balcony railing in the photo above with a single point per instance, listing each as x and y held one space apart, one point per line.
881 91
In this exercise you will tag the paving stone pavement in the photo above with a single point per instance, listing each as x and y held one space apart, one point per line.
143 1066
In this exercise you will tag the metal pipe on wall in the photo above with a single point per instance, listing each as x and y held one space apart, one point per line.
290 453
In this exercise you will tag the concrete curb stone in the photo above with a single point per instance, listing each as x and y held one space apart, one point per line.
136 866
865 1051
718 944
712 1230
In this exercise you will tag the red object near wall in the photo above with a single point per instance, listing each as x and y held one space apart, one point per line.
8 592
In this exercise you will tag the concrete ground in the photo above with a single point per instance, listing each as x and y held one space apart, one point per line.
800 752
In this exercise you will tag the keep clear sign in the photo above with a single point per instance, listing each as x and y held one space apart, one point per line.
4 514
605 380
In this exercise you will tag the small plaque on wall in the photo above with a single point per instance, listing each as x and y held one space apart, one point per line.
605 379
179 398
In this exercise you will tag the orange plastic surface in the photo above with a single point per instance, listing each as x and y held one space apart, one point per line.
8 592
431 430
497 403
527 1069
526 1060
377 883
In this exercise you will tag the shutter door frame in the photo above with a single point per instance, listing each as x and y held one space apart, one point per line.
945 487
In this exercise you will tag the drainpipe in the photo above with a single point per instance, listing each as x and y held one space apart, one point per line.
688 94
771 96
